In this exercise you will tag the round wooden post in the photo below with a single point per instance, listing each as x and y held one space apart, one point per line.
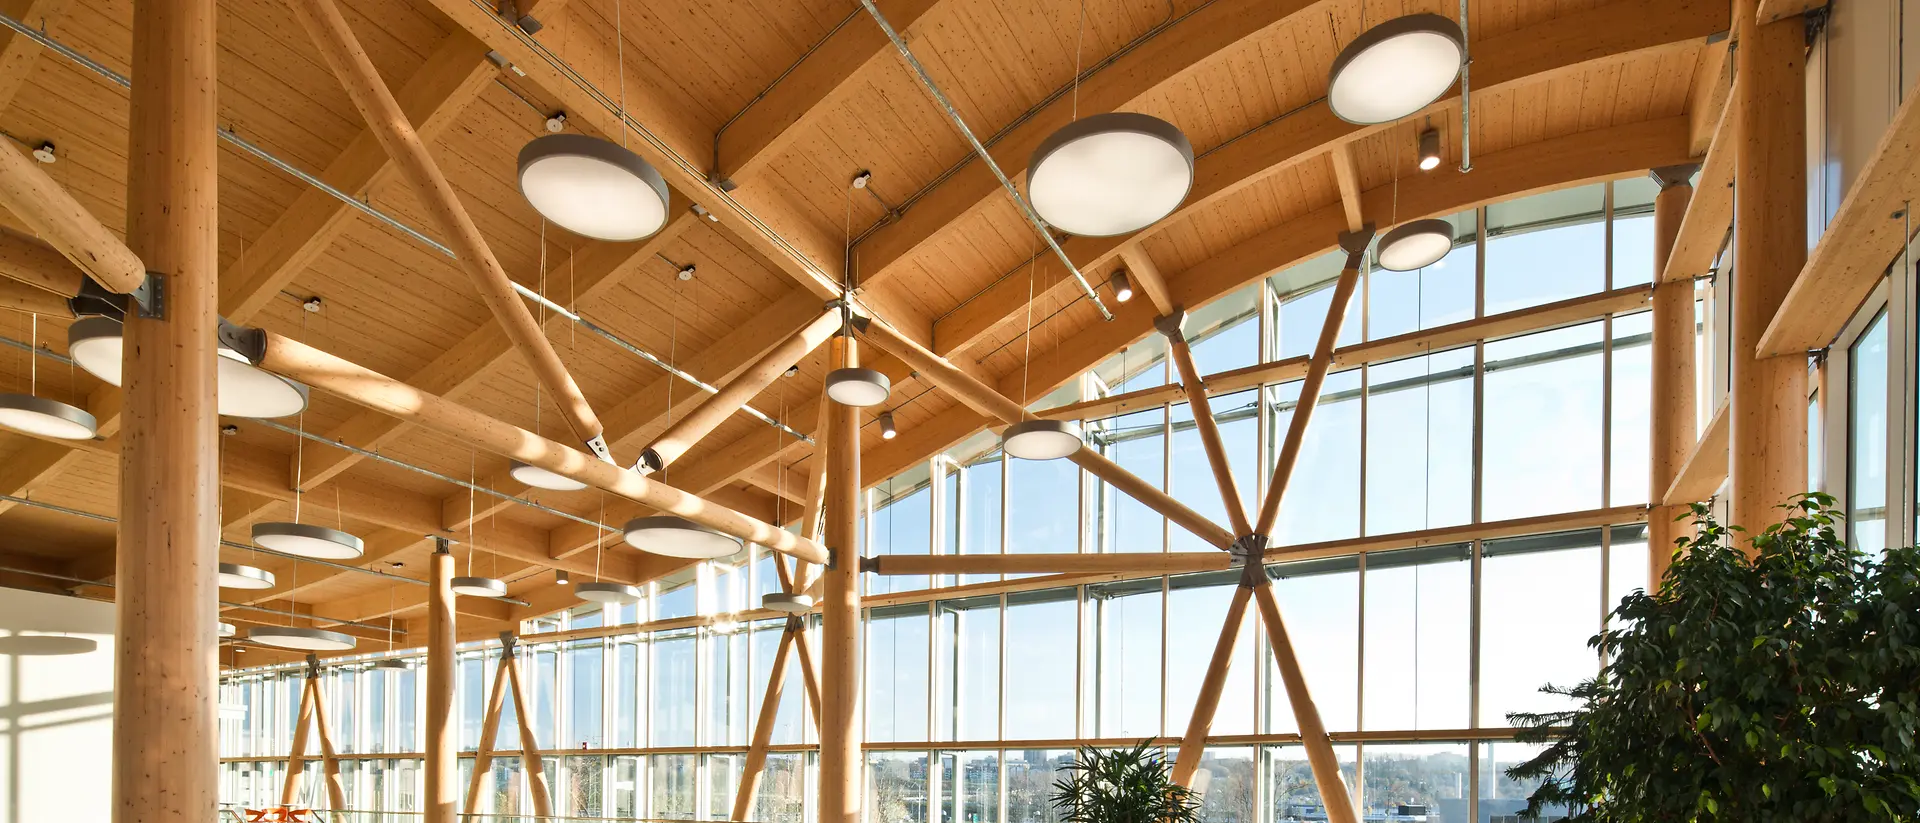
1673 427
842 769
443 770
165 720
1768 416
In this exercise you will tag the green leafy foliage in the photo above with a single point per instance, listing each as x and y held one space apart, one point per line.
1123 786
1784 686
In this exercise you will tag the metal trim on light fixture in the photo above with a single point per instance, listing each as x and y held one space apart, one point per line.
228 629
301 638
694 540
606 592
856 386
479 587
308 540
237 576
568 145
1110 123
1412 24
97 344
1041 439
1418 230
787 603
45 417
540 478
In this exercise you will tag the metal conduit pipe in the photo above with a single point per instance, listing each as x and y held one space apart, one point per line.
271 159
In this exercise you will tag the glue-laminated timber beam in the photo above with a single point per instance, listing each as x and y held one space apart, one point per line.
1671 420
1170 324
763 725
330 759
377 391
1868 231
342 51
24 299
1772 10
842 762
297 754
1709 214
1355 244
1194 743
1334 796
711 412
489 727
442 747
46 208
1564 46
36 264
1347 178
18 53
989 401
166 695
1705 468
1143 563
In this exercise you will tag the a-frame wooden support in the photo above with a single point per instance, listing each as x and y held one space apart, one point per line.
313 707
508 674
793 641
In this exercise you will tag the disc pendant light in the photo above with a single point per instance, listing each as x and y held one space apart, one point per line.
1396 68
607 592
1041 439
540 478
856 386
674 536
242 389
40 416
238 576
1415 245
471 586
1110 174
305 539
787 603
228 629
301 638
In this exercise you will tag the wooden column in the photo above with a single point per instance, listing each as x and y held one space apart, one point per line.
1194 743
1672 422
489 725
842 766
530 763
330 763
1768 417
763 726
443 767
297 753
1313 733
165 723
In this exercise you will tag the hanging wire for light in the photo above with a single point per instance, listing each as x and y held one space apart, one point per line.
41 416
1415 245
1110 174
674 536
1396 68
239 576
242 389
301 638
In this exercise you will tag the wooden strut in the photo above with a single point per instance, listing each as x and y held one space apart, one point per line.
47 209
763 727
336 794
1194 743
713 411
389 124
297 755
313 712
530 763
489 727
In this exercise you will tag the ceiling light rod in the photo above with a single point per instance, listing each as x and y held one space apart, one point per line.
248 606
959 123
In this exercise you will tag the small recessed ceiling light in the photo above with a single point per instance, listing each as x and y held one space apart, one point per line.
301 638
855 386
237 576
46 418
593 187
1110 174
1396 68
308 540
479 587
1041 439
675 536
1415 245
540 478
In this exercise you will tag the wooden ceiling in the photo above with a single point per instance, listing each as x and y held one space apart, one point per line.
792 100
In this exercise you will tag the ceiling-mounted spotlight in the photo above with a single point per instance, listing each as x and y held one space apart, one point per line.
887 429
592 187
787 603
479 587
540 478
301 638
1122 286
561 578
674 536
607 592
1415 245
1110 174
237 576
1429 149
856 386
308 540
228 629
1041 439
243 389
1396 68
46 418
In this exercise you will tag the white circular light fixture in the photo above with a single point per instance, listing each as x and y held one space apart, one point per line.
787 603
46 645
674 536
1396 68
393 664
607 592
228 629
855 386
540 478
1110 174
1415 245
592 187
301 638
46 418
242 389
236 576
1041 439
308 540
479 587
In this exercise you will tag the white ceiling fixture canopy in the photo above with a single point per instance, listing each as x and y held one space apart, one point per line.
593 187
1110 174
1396 68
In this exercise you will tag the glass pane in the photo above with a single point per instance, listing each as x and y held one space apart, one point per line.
1416 782
1400 302
1124 621
582 790
674 778
1502 796
1224 783
790 718
1539 604
970 787
1042 666
1192 481
673 690
967 697
897 788
1196 610
1546 247
897 677
1292 793
1420 442
901 525
584 662
1043 506
728 716
1419 632
1632 400
1137 442
1320 602
1030 777
1543 408
783 789
1322 500
1867 436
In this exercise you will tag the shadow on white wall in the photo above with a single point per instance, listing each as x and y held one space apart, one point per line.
56 708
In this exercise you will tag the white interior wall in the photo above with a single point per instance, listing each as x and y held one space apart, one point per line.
56 710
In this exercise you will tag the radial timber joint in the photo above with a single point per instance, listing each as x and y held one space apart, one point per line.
1355 243
95 300
313 666
1173 325
1247 550
507 643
